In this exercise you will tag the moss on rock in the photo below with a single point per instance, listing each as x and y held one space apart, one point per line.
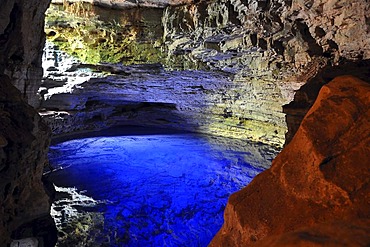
81 32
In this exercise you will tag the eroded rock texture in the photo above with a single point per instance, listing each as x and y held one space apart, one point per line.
279 43
124 4
21 41
269 49
318 183
297 30
147 95
24 141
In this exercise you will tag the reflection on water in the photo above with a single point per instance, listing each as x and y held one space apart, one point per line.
161 190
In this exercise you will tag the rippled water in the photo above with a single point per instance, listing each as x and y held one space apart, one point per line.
161 190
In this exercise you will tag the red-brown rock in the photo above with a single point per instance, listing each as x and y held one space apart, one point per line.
318 182
333 234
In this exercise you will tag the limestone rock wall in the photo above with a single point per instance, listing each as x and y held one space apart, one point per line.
318 183
24 138
269 49
147 95
95 34
24 142
297 30
21 42
280 43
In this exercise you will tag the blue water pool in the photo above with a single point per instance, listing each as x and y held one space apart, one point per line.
159 190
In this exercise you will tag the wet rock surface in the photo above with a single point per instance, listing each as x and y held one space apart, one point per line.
317 183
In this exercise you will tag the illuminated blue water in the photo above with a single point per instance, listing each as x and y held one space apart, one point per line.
164 190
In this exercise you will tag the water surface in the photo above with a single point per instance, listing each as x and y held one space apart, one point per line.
160 190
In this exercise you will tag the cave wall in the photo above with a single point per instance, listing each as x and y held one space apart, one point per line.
270 50
306 96
21 42
247 106
297 42
274 47
24 138
298 30
24 144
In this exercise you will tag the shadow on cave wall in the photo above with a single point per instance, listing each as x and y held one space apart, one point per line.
307 94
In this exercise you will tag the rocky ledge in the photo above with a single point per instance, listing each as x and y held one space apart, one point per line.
318 186
79 97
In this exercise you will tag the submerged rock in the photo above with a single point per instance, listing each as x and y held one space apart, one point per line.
160 189
318 183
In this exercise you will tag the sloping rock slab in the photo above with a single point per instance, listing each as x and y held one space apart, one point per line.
317 183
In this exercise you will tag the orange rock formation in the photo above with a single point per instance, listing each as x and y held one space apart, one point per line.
316 192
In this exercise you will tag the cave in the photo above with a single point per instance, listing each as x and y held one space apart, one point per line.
271 96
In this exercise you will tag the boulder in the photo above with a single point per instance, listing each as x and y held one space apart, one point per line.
318 183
